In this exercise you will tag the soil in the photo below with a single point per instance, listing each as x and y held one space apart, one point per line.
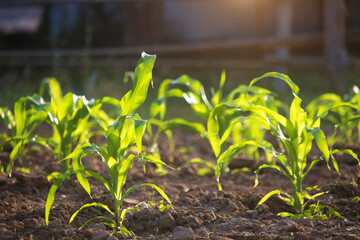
200 210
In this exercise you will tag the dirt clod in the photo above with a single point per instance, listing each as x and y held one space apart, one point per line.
199 210
183 233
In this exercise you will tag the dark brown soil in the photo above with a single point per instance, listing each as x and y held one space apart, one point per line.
200 210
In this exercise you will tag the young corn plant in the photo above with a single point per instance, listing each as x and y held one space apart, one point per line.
194 95
127 130
297 134
338 110
68 117
22 124
223 152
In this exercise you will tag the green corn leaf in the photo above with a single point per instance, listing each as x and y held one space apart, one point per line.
281 158
194 86
99 217
91 205
313 163
196 96
331 139
213 128
112 101
14 153
52 176
51 194
225 158
334 213
171 142
272 115
200 161
41 141
62 177
163 88
55 90
175 93
77 165
36 118
297 115
273 167
289 200
149 158
286 214
240 90
135 97
320 139
127 134
285 78
230 128
110 161
97 118
20 115
317 195
40 105
140 126
65 106
218 95
346 151
320 105
345 104
123 214
122 175
158 107
267 196
83 149
179 123
158 189
113 137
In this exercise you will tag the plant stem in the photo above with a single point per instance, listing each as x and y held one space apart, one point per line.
117 214
65 151
297 188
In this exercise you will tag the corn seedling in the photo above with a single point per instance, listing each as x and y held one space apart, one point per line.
338 110
22 124
224 116
68 117
127 130
297 134
317 212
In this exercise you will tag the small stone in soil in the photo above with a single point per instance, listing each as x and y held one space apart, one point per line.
99 235
203 232
183 233
30 223
251 214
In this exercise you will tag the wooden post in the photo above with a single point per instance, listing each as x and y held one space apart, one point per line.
283 27
334 43
283 31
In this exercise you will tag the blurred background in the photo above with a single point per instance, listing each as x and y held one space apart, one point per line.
89 45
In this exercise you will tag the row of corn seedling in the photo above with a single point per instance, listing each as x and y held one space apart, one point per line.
236 123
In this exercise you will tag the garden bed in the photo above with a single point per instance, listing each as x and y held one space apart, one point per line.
199 211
